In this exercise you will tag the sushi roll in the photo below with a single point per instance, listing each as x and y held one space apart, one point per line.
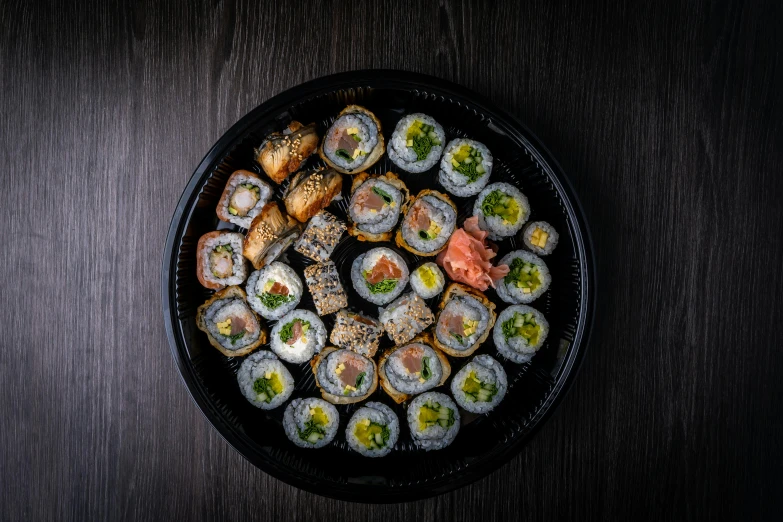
434 420
270 234
323 281
354 141
310 191
264 380
356 332
417 143
501 210
321 235
376 203
527 279
282 153
428 280
231 326
243 198
428 224
343 376
480 385
379 275
465 167
297 336
522 331
464 322
540 237
373 430
274 290
413 369
310 422
405 318
219 261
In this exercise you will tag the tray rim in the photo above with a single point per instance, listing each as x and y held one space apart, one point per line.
391 78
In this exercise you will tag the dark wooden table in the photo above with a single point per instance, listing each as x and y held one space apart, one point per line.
667 117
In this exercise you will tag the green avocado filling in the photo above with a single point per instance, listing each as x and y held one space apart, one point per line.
344 154
458 337
477 391
360 380
273 301
498 203
371 434
432 413
421 138
287 331
234 338
426 373
383 194
267 389
314 428
523 275
467 161
522 325
381 287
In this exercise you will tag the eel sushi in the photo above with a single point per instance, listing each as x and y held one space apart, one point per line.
310 191
282 153
270 234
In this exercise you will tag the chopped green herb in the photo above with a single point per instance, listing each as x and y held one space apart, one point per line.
471 166
498 203
234 338
273 301
382 287
422 145
344 154
264 386
523 274
360 380
312 428
287 331
385 195
426 373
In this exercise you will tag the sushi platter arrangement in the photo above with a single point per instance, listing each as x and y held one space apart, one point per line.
376 284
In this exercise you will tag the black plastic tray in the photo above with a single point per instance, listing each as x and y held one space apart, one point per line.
484 442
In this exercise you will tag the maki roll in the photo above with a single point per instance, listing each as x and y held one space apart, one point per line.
354 141
274 290
428 224
219 260
501 210
324 284
270 234
417 143
297 336
428 280
282 153
310 191
243 198
405 318
412 369
540 237
356 332
343 376
376 203
231 326
465 167
464 322
480 385
379 275
434 420
373 430
310 422
527 279
321 235
523 330
264 380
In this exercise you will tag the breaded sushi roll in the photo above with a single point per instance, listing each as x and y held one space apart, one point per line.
373 430
230 324
428 223
354 141
323 281
375 206
343 376
405 318
412 369
310 422
501 210
310 191
417 143
270 234
274 290
298 336
321 235
428 280
528 278
540 237
434 420
465 167
520 331
464 322
379 275
219 261
243 198
282 153
480 385
264 381
356 332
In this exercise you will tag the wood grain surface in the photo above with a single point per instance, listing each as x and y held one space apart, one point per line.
667 116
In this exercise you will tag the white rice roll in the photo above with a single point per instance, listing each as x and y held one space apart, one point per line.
362 130
480 385
428 280
417 143
528 278
264 380
310 422
442 222
434 420
465 167
413 369
387 289
501 210
519 333
540 237
274 290
373 430
474 322
297 336
346 374
372 220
